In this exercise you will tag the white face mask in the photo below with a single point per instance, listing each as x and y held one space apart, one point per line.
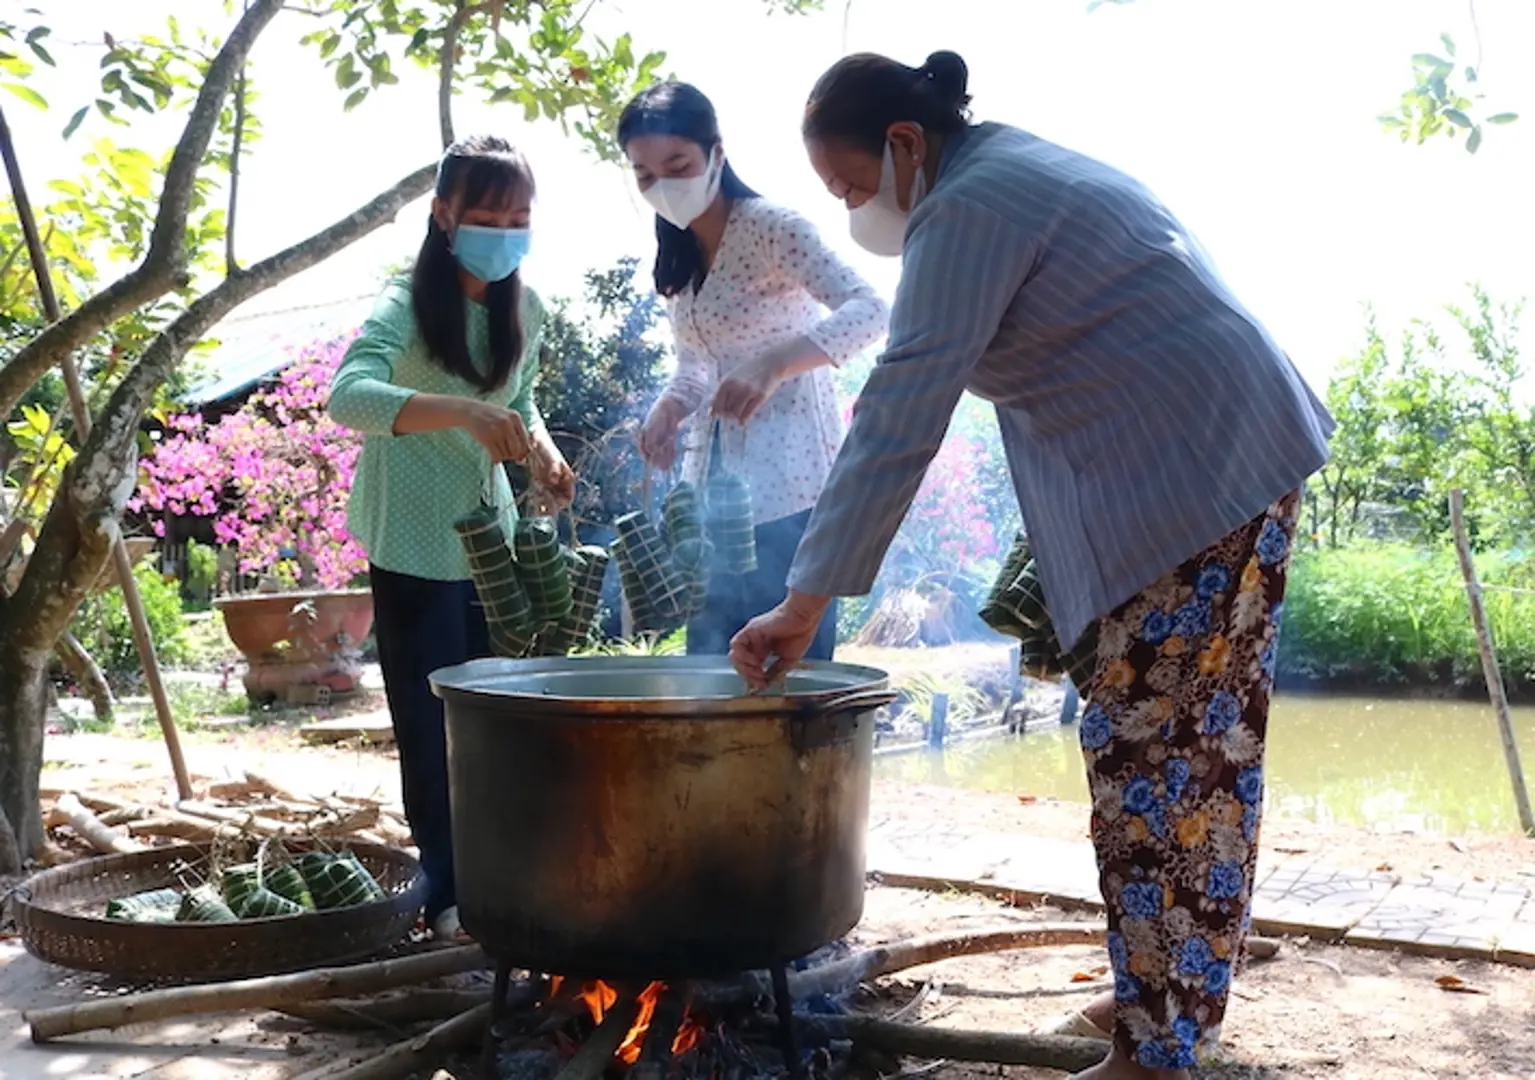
879 224
681 200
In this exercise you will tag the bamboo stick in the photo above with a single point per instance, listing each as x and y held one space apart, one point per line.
243 819
390 1012
1490 671
411 1057
89 828
269 992
267 786
142 638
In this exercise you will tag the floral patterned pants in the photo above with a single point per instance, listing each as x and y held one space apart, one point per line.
1174 734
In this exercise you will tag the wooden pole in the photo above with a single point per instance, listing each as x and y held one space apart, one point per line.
1490 670
1063 1053
143 640
938 722
268 992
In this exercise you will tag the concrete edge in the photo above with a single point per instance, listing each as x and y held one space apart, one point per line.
991 890
1270 927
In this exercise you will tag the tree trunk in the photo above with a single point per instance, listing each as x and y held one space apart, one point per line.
23 713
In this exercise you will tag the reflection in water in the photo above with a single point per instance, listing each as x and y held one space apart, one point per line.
1426 766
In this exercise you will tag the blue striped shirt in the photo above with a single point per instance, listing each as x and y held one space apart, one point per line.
1144 412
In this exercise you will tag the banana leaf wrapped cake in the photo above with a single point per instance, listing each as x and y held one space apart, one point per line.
271 885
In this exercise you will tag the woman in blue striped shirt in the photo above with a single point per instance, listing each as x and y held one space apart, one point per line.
1158 440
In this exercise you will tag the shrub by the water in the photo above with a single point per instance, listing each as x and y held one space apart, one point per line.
1390 615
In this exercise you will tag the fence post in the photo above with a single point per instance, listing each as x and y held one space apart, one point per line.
938 722
1490 670
1014 689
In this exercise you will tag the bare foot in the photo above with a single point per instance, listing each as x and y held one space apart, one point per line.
1119 1067
1101 1010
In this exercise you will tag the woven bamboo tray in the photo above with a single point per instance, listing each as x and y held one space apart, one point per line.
60 915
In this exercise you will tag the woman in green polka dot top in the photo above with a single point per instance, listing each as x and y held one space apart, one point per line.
440 381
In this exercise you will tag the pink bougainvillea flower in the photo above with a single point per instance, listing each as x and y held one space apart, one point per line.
274 476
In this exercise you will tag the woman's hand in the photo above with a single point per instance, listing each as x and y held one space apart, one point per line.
781 636
658 438
500 431
552 473
746 389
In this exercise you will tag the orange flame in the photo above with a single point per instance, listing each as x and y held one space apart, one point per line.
600 997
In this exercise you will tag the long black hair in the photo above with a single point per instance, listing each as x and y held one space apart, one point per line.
675 108
477 171
860 96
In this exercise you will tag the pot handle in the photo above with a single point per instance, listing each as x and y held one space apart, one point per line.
853 701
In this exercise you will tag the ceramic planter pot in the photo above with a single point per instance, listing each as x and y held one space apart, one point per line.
303 647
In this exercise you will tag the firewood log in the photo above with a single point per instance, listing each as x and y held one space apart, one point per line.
70 811
272 991
390 1012
1060 1052
898 956
413 1056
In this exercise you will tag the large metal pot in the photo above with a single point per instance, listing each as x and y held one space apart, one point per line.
641 817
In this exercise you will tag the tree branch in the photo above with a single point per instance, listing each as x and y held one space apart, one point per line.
445 66
165 262
231 266
83 520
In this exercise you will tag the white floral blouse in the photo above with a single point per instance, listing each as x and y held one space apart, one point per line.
773 280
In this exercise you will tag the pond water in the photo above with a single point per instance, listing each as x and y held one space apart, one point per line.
1425 766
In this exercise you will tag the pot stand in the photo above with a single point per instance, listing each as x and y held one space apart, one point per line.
669 1011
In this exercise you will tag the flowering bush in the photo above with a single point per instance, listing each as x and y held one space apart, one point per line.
965 512
952 542
950 525
274 477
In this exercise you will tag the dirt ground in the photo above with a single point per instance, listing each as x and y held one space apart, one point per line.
1313 1011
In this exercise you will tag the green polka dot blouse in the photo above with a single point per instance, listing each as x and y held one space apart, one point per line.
410 489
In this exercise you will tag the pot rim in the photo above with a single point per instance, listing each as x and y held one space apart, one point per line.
295 595
465 683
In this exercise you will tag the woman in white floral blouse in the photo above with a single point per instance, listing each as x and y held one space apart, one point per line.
761 310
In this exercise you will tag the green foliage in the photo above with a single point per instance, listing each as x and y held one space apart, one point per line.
672 644
1420 420
103 627
533 54
1390 615
17 44
601 369
35 437
920 688
1444 99
199 578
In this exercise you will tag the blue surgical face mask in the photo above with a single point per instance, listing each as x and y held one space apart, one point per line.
490 254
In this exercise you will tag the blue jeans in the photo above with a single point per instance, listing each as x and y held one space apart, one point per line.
736 599
422 625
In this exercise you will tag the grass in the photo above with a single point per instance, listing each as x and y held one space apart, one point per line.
1390 616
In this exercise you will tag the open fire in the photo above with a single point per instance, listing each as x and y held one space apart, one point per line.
562 1029
600 998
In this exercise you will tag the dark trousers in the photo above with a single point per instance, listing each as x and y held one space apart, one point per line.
422 625
736 599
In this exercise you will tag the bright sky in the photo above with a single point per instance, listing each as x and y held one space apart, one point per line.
1254 120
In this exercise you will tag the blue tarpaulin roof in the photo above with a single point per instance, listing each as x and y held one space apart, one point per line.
257 346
